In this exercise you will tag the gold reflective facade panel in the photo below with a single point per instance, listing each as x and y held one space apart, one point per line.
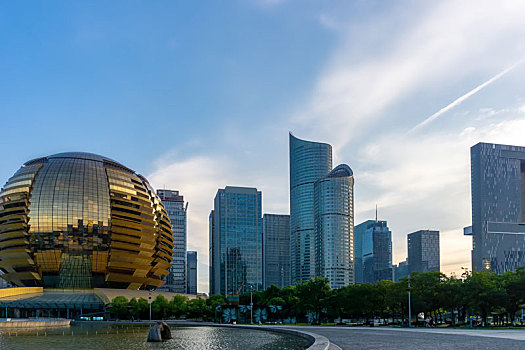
79 220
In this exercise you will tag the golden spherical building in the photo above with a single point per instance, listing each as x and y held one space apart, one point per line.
80 221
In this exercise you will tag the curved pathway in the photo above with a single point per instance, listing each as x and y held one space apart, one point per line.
417 338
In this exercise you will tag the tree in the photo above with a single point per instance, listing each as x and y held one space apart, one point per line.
119 308
314 295
197 308
160 308
484 292
178 306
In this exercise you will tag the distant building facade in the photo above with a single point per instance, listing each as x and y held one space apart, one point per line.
276 234
334 226
400 271
236 241
498 207
377 252
359 236
423 251
177 212
309 162
191 271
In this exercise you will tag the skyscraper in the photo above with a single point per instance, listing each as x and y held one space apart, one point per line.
423 251
177 211
236 241
359 236
276 233
191 271
309 162
334 226
377 252
498 207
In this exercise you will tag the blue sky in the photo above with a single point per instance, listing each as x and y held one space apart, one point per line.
200 95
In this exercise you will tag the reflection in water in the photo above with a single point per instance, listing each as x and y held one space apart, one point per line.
97 337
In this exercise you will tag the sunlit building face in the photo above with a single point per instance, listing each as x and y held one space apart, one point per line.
79 220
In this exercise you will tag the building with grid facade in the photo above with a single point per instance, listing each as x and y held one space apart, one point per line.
177 211
309 162
191 271
276 235
423 251
236 241
79 221
377 252
334 227
498 207
359 236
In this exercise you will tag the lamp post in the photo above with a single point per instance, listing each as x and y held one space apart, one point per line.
149 301
251 304
409 311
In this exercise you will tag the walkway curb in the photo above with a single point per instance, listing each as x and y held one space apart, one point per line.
319 342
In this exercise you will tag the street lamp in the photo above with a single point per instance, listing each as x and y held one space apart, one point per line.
149 301
251 304
409 311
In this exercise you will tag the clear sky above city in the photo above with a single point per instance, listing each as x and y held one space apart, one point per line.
197 95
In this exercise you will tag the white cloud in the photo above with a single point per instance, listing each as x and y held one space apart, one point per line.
423 182
447 40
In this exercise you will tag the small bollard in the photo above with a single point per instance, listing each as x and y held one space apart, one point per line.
37 333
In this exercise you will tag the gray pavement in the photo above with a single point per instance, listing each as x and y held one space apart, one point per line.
418 338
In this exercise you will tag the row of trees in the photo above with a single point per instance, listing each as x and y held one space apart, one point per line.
446 299
161 308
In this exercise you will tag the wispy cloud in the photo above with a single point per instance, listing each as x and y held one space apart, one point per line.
464 97
388 59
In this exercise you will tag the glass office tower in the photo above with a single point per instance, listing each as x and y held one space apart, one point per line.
309 162
276 233
377 252
191 272
423 251
498 207
334 226
177 211
236 241
359 236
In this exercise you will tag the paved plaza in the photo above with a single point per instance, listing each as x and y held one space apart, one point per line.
418 338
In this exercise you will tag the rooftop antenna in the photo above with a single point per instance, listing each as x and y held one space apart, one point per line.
376 212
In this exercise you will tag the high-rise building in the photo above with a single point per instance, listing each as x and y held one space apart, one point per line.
191 271
423 251
334 226
236 241
401 271
309 162
276 235
377 252
177 211
213 237
498 207
359 235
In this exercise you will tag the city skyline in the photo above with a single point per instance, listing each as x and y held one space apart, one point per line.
401 91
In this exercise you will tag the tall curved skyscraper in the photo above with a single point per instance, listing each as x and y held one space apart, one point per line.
309 162
334 226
